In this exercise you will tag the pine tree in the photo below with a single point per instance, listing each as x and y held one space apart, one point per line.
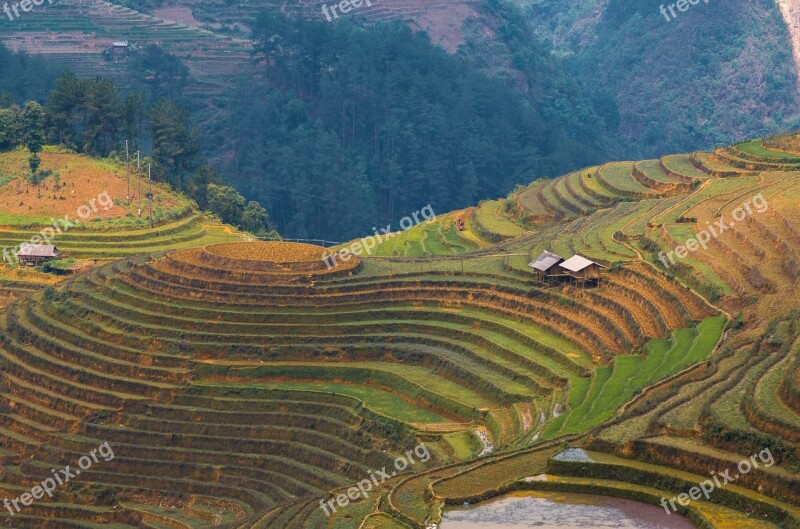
176 149
10 127
103 117
32 126
64 111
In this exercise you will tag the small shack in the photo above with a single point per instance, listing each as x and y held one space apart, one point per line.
582 270
36 254
120 51
546 267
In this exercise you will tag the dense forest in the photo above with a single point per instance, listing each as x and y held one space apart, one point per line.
25 77
350 126
336 128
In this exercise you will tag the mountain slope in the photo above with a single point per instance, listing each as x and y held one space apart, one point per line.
737 402
718 73
791 14
251 380
80 206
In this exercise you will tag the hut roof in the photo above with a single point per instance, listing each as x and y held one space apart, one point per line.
545 262
37 250
576 263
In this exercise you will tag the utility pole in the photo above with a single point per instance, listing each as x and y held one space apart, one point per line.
150 195
138 184
127 173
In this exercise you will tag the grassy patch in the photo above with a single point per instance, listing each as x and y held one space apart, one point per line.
756 148
610 387
378 400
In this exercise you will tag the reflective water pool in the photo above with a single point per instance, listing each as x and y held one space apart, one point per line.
548 510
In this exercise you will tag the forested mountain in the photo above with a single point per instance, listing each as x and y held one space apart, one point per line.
717 73
337 127
714 75
92 116
354 125
23 76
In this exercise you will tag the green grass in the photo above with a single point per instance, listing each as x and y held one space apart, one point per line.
667 350
755 147
464 444
652 169
574 180
649 208
680 164
439 237
618 175
418 376
710 331
378 400
611 386
491 218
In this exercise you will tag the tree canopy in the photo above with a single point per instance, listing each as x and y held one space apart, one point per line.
355 125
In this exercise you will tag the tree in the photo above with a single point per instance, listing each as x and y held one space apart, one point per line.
26 77
226 202
32 126
63 111
255 218
165 73
10 133
197 184
103 116
133 118
176 149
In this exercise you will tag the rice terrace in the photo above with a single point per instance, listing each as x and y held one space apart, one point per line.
224 304
240 383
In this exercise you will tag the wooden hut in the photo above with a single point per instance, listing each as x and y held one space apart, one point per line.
582 270
36 254
546 267
120 51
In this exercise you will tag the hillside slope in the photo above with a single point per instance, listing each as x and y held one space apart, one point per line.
717 73
82 207
716 413
241 383
791 14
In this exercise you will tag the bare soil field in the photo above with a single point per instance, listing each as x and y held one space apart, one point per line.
75 182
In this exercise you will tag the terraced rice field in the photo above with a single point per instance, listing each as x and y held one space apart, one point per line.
210 38
267 361
241 383
76 33
733 392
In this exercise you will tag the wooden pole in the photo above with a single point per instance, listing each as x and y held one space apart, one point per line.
127 174
150 195
138 184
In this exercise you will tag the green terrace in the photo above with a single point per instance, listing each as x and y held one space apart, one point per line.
254 388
